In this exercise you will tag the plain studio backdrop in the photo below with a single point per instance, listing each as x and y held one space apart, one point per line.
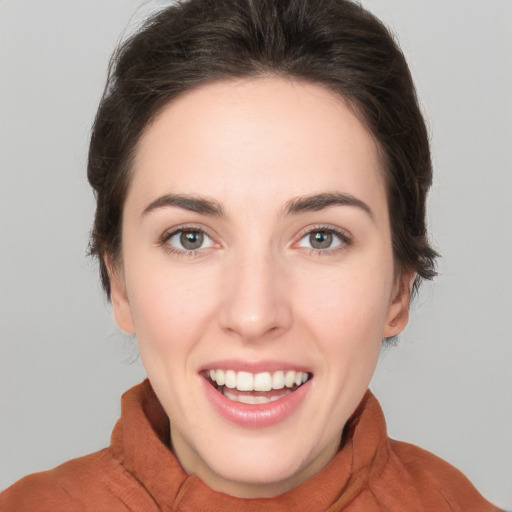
447 386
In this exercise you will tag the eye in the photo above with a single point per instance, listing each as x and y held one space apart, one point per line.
188 240
323 239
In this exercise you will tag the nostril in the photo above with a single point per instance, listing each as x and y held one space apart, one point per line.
253 306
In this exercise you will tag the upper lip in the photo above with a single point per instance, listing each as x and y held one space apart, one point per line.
253 366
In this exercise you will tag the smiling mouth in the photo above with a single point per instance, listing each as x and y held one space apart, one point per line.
256 388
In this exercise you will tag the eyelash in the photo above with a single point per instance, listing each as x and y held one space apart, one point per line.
164 239
345 240
343 236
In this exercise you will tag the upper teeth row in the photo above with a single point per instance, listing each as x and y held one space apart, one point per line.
265 381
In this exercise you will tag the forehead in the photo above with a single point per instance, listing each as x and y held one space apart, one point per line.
267 137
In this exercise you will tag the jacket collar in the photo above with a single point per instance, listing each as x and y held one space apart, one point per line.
140 441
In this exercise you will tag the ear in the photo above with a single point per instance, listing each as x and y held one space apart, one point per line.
398 312
119 298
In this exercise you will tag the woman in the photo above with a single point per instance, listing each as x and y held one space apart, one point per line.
261 171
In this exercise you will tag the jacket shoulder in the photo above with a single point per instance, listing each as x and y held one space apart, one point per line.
435 480
93 483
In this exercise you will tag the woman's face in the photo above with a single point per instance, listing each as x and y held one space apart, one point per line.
257 256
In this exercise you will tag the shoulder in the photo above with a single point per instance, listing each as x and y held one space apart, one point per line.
93 483
437 481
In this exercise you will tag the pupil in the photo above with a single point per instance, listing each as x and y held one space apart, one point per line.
191 239
320 240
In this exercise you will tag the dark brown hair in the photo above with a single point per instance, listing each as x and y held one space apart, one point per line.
334 43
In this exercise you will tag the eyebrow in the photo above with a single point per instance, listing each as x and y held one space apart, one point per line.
187 202
317 202
309 203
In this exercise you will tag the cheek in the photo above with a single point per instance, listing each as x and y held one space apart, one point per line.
348 305
169 305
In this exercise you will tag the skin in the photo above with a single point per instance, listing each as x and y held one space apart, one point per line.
256 290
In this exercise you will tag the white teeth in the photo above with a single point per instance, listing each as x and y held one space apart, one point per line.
220 377
264 381
251 399
289 379
245 381
278 380
231 379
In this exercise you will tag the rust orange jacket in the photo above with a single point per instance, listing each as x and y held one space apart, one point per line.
138 473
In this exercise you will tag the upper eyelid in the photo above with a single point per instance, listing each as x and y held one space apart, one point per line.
187 227
169 233
346 239
164 241
322 227
344 234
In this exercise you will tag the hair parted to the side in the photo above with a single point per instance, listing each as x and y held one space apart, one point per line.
334 43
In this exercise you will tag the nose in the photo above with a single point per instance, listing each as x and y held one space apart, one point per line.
255 304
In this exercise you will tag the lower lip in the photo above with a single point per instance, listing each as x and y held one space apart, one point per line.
256 415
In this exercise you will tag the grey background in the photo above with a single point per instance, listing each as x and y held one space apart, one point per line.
64 365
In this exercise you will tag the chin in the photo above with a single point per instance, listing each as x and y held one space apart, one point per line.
244 479
264 466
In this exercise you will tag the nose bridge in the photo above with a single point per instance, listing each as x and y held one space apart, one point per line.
254 305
